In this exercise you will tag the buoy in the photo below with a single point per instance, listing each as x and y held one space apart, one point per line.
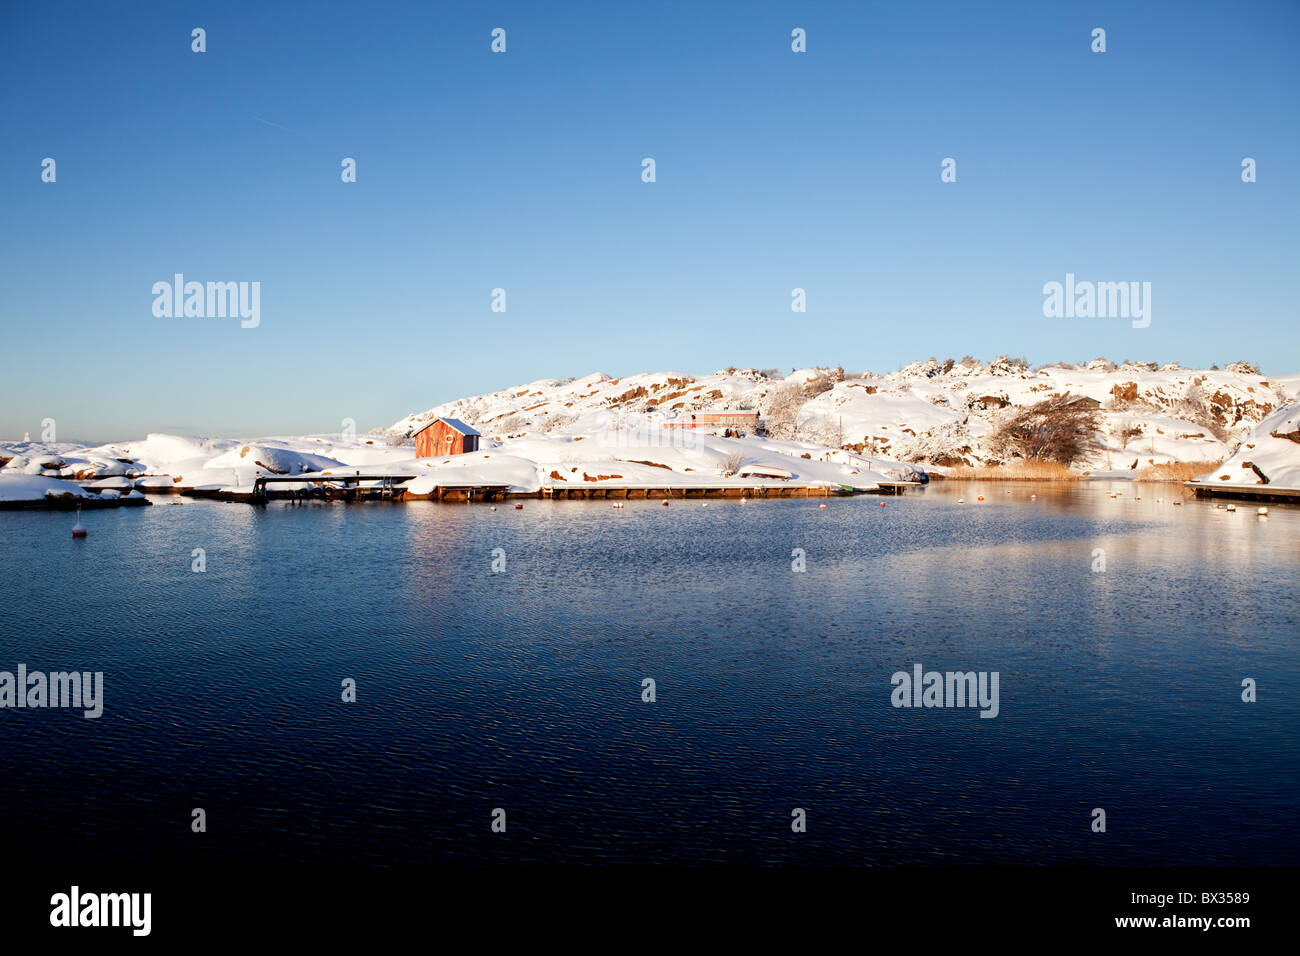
882 504
494 507
77 530
1033 497
664 503
743 500
519 507
1262 511
1232 507
821 507
961 501
979 497
704 504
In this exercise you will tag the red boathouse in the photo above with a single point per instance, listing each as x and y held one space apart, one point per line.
445 436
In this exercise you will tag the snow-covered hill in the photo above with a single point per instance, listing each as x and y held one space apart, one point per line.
817 427
932 413
1270 455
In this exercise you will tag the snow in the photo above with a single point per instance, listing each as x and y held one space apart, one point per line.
927 410
20 487
1270 450
617 432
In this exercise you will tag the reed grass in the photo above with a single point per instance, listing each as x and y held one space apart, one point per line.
1176 470
1019 471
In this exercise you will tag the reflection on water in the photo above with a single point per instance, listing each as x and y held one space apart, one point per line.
521 689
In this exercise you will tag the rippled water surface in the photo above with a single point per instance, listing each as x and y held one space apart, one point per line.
522 689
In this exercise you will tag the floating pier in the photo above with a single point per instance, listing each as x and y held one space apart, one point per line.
388 487
1206 489
894 487
644 492
357 487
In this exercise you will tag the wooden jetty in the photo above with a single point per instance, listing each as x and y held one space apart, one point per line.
643 492
389 487
1207 489
358 487
355 487
895 487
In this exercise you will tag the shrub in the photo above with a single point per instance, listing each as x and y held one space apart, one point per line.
732 462
1061 429
780 408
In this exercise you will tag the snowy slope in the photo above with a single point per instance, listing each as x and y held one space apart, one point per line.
932 413
1271 451
819 426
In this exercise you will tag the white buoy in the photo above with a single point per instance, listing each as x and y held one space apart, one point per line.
1262 511
961 501
1232 507
77 530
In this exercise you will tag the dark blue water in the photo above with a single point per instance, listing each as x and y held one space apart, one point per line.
522 689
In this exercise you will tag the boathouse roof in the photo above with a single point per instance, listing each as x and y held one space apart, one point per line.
455 423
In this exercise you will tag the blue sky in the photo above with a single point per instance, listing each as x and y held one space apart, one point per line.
522 171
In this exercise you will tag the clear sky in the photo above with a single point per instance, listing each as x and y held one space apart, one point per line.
522 171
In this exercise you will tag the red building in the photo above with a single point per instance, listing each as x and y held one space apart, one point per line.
445 436
715 417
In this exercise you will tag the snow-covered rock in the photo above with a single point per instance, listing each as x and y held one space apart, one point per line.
1270 455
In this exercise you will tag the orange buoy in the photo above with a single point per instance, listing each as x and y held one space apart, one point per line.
821 507
664 503
519 507
882 504
77 530
980 498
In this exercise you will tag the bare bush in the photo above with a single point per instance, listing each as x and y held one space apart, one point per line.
1126 432
1061 429
731 463
509 425
1195 408
823 382
780 408
554 423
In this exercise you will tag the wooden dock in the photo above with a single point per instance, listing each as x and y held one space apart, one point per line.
1206 489
388 487
644 492
895 487
355 487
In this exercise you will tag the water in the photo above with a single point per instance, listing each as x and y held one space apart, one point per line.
522 689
